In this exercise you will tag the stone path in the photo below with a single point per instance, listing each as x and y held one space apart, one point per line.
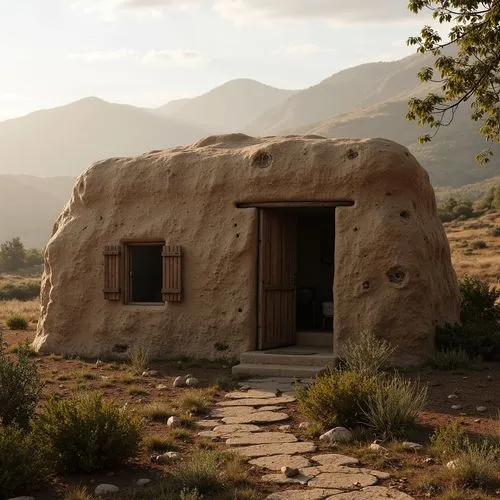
318 477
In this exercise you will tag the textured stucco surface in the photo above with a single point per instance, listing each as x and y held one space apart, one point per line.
187 196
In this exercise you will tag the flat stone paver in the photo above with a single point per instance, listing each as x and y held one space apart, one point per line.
232 411
208 423
275 462
282 479
335 459
373 493
260 417
262 450
252 393
305 494
280 400
261 438
236 428
342 480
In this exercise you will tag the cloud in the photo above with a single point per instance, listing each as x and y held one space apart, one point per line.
350 12
146 4
178 57
303 50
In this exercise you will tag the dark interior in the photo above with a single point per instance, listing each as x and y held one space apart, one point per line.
315 257
145 273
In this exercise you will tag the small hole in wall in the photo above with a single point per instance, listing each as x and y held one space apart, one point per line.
355 229
100 218
237 235
351 154
396 275
262 159
366 285
120 347
404 214
240 309
235 225
388 193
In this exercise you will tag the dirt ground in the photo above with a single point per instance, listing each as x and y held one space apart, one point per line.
478 387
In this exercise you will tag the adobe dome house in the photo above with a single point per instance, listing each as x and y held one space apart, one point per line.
276 250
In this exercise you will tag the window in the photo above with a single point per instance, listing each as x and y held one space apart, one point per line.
143 273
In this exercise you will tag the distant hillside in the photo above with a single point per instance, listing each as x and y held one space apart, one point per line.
66 140
227 108
30 206
472 192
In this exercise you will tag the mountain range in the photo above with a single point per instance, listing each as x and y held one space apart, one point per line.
41 153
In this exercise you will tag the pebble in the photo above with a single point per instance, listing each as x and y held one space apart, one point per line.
477 421
452 464
99 362
143 482
456 407
289 471
304 425
174 422
429 460
376 447
285 428
106 489
338 435
489 377
452 396
180 382
161 387
481 408
150 373
168 457
192 382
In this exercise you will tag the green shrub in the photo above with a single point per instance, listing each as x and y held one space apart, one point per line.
478 302
495 231
87 433
464 210
23 465
393 408
196 401
477 466
28 290
20 386
447 442
445 216
158 412
336 398
17 322
450 359
367 355
478 244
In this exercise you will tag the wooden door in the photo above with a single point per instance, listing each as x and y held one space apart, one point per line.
277 268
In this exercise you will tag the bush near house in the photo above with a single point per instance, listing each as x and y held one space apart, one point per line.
17 322
479 331
87 433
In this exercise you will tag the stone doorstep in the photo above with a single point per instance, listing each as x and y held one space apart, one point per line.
323 357
277 370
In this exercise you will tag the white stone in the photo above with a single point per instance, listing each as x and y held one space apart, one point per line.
143 482
304 425
99 362
409 445
106 489
180 382
456 407
481 408
161 387
174 422
337 435
376 447
289 471
452 464
168 457
452 396
192 382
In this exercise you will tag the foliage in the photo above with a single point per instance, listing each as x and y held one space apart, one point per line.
477 465
478 244
139 359
27 290
87 433
479 333
13 256
494 231
367 355
393 408
450 359
452 209
78 493
470 74
17 322
158 412
196 401
492 199
23 465
336 398
447 441
20 386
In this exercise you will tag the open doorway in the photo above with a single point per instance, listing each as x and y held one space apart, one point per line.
296 262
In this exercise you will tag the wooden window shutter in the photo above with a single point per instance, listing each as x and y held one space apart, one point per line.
112 272
172 273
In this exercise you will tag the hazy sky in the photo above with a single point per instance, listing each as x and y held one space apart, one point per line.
147 52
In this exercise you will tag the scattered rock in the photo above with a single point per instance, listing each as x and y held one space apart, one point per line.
337 435
99 363
192 382
489 377
477 420
245 388
174 422
106 489
150 373
481 409
429 461
285 428
289 471
143 482
409 445
180 382
452 464
161 387
376 447
166 458
456 407
304 425
452 396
